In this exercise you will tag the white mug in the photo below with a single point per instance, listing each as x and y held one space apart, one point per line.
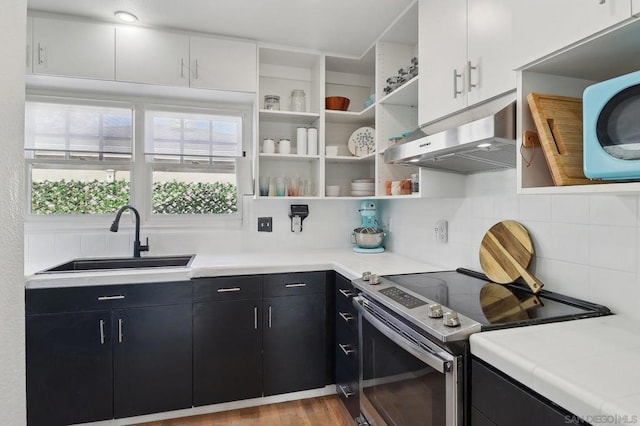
284 146
268 146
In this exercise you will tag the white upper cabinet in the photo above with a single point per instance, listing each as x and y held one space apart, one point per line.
466 54
442 44
542 27
223 64
151 56
635 7
489 55
29 52
72 48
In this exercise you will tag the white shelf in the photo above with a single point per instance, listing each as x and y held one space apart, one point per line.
406 95
396 197
290 156
292 117
365 116
350 158
603 188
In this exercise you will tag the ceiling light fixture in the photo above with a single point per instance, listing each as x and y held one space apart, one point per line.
126 16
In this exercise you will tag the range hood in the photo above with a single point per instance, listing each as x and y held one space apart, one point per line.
485 144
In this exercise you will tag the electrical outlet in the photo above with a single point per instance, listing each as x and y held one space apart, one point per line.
442 231
265 224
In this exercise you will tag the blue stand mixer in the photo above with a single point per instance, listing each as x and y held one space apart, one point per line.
368 238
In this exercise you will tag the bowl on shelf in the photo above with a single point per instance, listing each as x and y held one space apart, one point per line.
336 103
331 150
332 191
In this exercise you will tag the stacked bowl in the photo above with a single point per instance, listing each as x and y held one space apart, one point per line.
363 187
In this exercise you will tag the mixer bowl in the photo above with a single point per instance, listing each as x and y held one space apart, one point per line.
368 237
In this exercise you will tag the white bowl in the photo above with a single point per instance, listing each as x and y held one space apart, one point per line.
331 150
366 180
332 191
362 193
362 186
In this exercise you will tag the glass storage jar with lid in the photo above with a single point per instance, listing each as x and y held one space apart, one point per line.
298 101
272 102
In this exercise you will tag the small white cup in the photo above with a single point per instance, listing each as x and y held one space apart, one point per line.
268 146
284 146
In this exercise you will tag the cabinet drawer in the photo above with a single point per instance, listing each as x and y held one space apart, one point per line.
91 298
347 319
227 288
294 284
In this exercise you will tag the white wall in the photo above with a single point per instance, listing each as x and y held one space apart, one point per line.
329 225
587 246
12 370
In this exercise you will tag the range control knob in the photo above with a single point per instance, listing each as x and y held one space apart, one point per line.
450 319
435 311
374 279
366 276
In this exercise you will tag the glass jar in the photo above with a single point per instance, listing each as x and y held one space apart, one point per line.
298 101
272 102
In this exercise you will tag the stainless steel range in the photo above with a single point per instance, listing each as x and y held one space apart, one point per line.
414 332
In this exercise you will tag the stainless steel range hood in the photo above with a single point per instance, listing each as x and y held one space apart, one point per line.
481 145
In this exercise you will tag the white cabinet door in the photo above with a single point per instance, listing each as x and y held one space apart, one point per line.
635 7
29 53
151 56
490 60
544 26
223 64
72 48
442 47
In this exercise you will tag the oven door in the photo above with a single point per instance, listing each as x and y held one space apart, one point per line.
405 378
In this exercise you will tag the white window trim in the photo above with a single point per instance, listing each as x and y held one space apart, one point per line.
141 170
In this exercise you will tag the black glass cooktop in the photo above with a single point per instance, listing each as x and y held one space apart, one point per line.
494 305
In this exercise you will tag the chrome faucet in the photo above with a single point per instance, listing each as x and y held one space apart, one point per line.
137 246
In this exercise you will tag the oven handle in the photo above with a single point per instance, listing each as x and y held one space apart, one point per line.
422 353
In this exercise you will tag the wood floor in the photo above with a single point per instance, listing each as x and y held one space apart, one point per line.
322 411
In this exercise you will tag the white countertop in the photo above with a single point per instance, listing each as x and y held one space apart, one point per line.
343 261
587 366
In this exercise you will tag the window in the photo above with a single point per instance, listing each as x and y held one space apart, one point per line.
193 161
81 158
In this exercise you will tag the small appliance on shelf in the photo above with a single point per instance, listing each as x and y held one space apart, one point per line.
368 237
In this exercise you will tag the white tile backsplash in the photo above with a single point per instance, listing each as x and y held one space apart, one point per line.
586 246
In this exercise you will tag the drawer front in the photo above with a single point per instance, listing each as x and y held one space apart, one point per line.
346 348
294 284
347 318
227 288
91 298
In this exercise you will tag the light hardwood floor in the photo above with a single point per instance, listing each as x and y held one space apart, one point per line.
322 411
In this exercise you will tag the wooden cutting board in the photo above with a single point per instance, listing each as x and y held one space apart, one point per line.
505 253
499 304
558 120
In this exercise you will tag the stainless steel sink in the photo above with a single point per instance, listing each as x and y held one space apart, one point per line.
111 263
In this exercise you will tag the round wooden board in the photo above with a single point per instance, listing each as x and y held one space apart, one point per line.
504 243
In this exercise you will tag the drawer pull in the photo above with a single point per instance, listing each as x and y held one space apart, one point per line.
228 290
347 349
346 316
255 317
295 285
102 332
269 316
120 330
348 392
347 293
118 297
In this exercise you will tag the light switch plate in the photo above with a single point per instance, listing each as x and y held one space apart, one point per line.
265 224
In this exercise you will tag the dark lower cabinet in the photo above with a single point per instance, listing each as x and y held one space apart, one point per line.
294 350
496 399
69 368
152 359
128 353
227 351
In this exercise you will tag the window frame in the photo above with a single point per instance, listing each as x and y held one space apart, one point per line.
141 170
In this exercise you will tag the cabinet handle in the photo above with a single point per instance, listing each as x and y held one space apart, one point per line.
255 317
40 54
347 393
196 69
346 316
455 84
103 298
347 293
120 330
602 1
269 316
181 67
469 69
102 332
228 290
347 349
295 285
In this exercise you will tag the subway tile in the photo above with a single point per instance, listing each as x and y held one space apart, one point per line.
618 290
615 210
613 247
570 209
535 207
569 243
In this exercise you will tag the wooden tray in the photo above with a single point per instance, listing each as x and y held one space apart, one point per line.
559 123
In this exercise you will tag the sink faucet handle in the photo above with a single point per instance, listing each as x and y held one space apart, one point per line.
145 247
